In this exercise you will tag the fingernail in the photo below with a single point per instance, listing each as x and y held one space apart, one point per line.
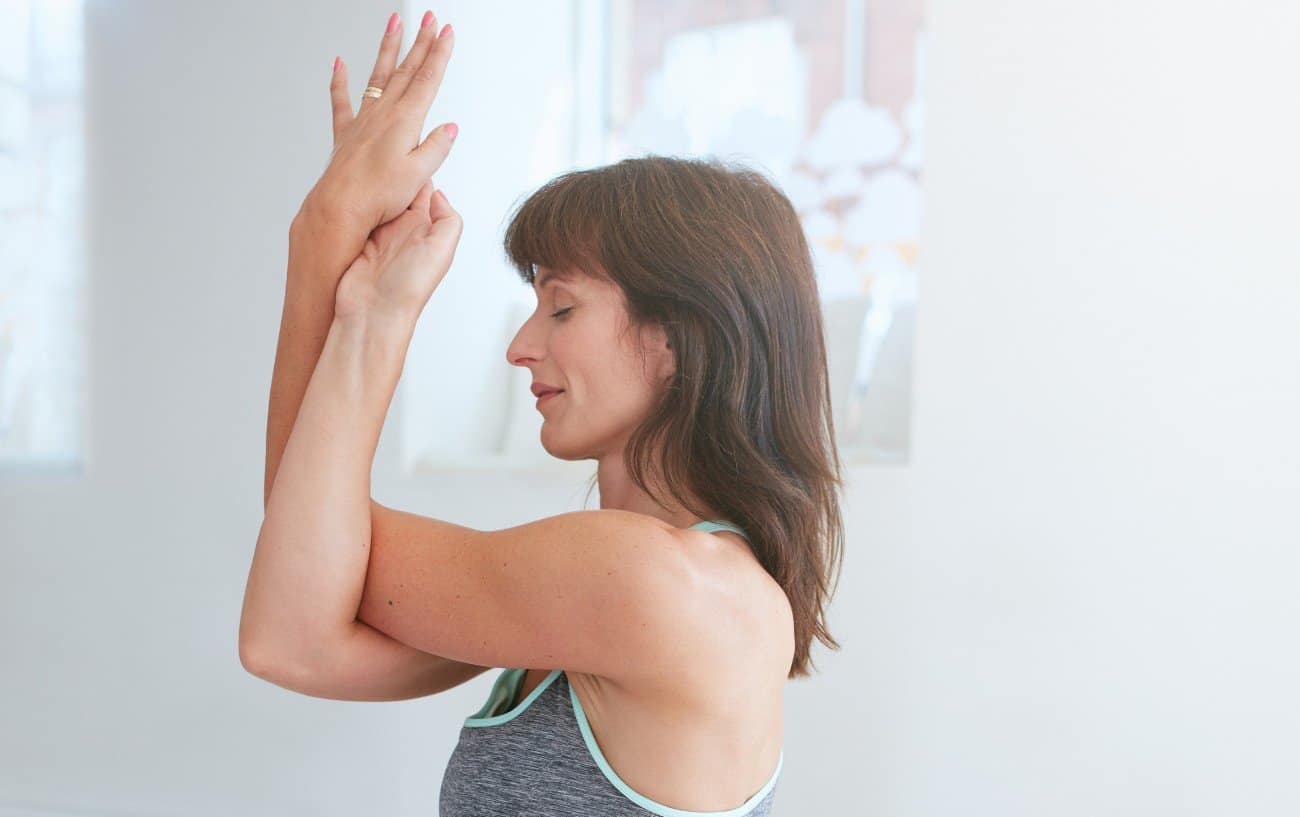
428 18
393 23
445 30
452 130
337 62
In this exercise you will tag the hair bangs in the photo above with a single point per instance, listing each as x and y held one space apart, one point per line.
560 226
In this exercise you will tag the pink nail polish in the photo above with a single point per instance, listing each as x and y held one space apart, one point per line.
428 18
452 131
337 62
445 30
393 23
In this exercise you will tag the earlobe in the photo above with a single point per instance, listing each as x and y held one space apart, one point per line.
669 368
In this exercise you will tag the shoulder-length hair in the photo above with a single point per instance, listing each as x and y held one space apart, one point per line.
714 253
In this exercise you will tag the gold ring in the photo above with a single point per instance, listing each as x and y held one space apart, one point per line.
372 92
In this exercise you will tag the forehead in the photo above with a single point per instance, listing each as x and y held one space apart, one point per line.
543 276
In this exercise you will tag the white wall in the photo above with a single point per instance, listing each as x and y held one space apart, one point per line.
1078 599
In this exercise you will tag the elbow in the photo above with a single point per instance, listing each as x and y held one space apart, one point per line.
273 666
252 652
258 654
255 659
290 664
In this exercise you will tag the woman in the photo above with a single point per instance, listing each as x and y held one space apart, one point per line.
678 331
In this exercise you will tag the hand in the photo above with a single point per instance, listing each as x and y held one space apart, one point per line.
403 261
377 164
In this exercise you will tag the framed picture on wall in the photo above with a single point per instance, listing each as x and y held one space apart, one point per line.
825 97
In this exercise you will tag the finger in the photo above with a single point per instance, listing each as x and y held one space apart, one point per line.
427 78
339 101
439 206
424 39
388 47
432 152
421 201
445 222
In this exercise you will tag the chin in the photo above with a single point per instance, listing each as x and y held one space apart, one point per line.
558 447
571 447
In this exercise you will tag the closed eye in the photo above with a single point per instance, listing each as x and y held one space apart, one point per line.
563 311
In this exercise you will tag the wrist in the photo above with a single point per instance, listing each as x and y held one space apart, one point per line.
381 327
320 218
321 247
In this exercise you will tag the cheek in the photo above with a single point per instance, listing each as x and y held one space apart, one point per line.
601 367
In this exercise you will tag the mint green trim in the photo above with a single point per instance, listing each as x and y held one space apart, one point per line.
496 694
502 691
711 525
654 805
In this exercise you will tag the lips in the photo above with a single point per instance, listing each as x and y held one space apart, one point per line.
548 395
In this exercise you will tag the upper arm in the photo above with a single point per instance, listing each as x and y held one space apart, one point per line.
605 592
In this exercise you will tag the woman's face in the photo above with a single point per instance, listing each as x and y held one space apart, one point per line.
608 389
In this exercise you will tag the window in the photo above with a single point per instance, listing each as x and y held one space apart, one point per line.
42 302
822 95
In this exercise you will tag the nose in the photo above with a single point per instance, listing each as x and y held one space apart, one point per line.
526 347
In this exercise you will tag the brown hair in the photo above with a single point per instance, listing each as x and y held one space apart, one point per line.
714 253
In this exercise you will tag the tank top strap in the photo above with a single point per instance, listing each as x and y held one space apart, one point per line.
711 525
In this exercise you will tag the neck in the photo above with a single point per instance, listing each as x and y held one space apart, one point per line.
617 491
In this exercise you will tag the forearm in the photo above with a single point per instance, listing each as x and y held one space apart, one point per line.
309 566
320 250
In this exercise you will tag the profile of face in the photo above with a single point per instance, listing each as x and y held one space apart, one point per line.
577 340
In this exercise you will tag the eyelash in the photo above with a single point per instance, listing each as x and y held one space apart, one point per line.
563 311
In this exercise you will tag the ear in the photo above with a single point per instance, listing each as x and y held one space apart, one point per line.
658 346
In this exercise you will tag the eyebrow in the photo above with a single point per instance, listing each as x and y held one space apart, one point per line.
541 279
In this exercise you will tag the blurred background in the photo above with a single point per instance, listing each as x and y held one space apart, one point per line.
1064 339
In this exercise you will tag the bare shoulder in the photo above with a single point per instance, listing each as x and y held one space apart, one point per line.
726 650
745 610
745 593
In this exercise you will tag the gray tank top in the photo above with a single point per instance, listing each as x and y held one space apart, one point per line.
541 759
